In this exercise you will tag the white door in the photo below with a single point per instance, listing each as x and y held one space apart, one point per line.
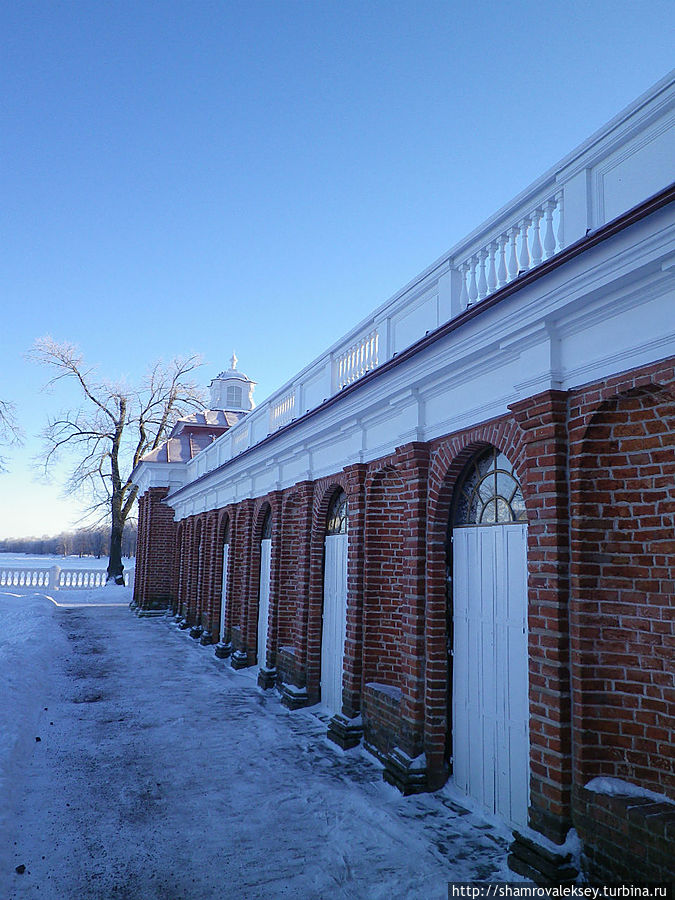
334 628
264 598
223 594
490 696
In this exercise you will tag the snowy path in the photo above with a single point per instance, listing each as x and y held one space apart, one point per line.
162 773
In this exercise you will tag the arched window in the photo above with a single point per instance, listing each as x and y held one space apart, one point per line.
337 519
234 395
266 534
489 492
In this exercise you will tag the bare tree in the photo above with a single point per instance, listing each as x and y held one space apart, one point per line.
115 426
10 433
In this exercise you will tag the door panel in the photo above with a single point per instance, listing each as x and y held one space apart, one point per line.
490 699
264 598
223 593
334 626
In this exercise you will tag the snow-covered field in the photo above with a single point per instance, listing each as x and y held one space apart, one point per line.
65 562
162 773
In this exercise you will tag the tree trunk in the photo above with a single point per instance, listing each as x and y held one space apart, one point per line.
115 567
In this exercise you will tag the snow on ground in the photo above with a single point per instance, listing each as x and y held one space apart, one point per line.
163 773
46 561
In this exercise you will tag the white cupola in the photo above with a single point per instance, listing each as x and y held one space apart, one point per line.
232 390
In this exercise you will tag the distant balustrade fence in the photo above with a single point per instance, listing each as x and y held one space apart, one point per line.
55 578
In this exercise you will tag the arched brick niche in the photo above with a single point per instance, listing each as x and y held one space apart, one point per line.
448 462
324 492
223 535
386 588
198 590
624 571
182 567
261 513
449 458
293 587
209 588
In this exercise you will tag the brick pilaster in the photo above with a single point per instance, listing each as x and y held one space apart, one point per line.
543 421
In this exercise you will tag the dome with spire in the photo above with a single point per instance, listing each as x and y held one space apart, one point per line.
232 390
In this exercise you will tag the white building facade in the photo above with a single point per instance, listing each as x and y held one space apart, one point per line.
455 527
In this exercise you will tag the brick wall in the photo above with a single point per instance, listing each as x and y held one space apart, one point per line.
293 600
381 717
625 839
154 582
385 536
597 469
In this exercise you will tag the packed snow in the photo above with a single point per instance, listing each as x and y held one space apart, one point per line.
160 772
617 787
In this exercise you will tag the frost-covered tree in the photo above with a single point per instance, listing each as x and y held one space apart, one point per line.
10 433
112 429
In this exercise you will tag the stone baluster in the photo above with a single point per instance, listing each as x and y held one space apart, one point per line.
492 269
502 273
524 255
549 236
482 280
464 294
561 230
537 250
513 255
473 287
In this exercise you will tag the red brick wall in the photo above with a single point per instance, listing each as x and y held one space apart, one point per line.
624 554
294 566
256 654
223 530
154 586
381 717
322 495
386 530
597 469
625 839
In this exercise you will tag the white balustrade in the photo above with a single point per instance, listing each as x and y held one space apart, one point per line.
24 577
282 411
356 360
493 266
518 238
53 578
73 579
240 440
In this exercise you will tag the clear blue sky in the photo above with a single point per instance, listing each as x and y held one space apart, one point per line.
198 176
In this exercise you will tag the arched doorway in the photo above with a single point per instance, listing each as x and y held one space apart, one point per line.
223 593
264 589
334 625
487 557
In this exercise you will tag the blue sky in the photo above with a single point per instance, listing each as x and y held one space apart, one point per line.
198 176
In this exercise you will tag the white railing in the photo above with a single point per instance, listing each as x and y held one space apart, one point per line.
55 578
28 577
282 411
519 247
607 175
240 440
72 579
356 360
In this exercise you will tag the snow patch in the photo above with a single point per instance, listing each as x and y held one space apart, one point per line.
616 787
393 692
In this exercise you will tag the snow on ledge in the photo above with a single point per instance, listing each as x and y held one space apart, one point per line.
616 787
